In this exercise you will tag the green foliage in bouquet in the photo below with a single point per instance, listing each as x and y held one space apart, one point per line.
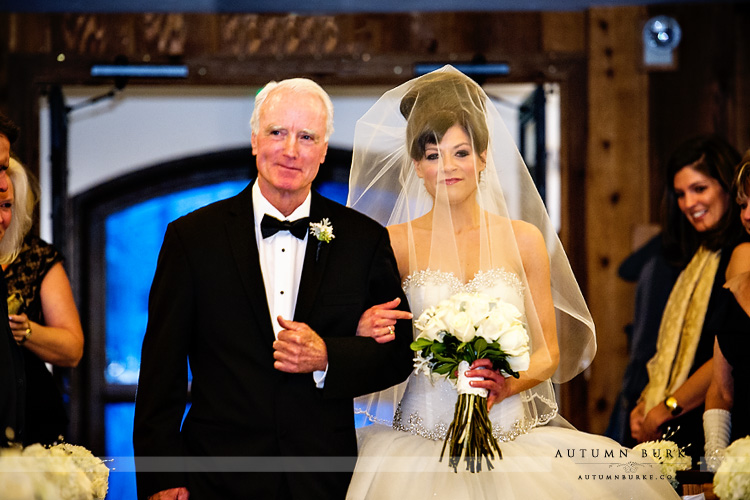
446 355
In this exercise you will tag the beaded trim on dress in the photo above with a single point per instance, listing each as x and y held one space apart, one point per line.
482 279
416 427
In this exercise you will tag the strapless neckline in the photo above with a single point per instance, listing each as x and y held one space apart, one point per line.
481 280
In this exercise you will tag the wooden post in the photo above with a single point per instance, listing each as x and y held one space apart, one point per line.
617 191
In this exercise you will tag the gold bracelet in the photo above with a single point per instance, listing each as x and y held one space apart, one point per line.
26 337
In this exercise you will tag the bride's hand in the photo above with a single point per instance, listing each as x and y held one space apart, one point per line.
379 321
493 381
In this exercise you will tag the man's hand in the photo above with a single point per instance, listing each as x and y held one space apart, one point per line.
171 494
378 321
298 349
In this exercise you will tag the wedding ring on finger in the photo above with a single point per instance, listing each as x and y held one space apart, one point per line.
391 330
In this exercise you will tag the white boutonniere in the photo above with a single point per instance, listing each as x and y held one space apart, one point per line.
323 231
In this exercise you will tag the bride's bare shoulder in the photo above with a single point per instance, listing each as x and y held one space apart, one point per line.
529 237
399 238
397 231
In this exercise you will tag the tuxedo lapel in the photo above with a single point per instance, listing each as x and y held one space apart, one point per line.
241 234
316 257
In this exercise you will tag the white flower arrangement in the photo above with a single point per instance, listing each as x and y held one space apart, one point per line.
63 471
668 455
452 335
732 479
467 318
322 230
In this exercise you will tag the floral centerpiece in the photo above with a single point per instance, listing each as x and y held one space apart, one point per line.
452 335
63 471
732 479
668 455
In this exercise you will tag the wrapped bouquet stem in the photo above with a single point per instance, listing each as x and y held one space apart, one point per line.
452 335
470 432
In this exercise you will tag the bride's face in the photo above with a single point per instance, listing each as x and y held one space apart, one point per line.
452 165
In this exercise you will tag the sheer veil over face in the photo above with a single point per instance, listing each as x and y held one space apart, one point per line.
433 160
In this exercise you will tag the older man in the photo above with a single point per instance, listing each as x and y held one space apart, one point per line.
12 378
274 394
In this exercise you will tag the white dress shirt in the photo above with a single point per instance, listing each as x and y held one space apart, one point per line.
281 259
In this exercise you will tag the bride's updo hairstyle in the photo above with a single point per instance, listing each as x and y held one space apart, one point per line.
439 101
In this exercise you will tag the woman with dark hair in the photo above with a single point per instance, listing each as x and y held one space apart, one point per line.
685 227
433 162
703 233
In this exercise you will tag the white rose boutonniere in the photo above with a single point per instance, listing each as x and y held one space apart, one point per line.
323 231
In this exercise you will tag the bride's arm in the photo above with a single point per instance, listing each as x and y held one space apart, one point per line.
536 266
544 361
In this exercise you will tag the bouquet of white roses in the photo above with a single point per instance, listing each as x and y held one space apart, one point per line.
452 335
63 471
668 455
732 480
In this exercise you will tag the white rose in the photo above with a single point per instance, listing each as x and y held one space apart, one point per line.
478 309
461 327
444 311
491 328
423 318
519 363
513 340
434 329
509 311
459 300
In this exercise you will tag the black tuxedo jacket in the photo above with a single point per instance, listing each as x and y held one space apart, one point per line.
208 304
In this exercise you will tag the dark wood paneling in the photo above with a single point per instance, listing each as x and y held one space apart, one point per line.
701 94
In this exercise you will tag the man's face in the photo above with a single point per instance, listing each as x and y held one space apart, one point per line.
4 162
289 144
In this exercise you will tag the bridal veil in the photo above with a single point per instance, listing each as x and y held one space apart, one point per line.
385 185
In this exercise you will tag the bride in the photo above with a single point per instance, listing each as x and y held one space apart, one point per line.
429 157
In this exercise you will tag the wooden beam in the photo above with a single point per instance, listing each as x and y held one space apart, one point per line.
616 194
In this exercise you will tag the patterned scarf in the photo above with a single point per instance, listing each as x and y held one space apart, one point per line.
681 327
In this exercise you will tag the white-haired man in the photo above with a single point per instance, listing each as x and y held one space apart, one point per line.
267 313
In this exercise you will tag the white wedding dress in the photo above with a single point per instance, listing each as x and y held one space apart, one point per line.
539 461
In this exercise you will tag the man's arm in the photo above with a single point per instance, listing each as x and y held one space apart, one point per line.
360 365
162 385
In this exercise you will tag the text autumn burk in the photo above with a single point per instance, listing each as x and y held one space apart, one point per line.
619 453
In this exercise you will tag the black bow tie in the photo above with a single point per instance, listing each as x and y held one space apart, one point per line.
271 225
